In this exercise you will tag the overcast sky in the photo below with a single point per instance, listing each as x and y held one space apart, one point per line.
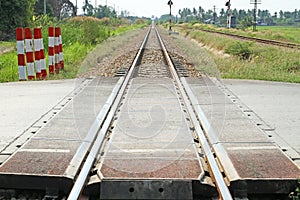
157 8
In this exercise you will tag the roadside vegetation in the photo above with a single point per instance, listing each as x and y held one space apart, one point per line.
278 33
240 59
80 35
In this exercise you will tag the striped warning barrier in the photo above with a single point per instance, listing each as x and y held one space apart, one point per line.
29 54
37 53
42 54
56 49
21 54
61 56
51 51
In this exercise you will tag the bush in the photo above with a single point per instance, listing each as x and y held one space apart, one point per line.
241 49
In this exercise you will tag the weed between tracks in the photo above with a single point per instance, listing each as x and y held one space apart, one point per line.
250 60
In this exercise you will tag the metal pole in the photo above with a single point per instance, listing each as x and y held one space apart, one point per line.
255 2
229 15
254 15
170 19
170 3
45 7
214 15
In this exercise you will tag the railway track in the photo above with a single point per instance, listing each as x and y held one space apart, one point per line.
259 40
152 61
150 132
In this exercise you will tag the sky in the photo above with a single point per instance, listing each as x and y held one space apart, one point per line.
147 8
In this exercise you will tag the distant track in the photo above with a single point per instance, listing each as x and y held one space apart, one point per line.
260 40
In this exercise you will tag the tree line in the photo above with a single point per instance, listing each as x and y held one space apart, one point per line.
20 13
242 16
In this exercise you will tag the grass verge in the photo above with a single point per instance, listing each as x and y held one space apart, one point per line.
263 62
80 35
278 33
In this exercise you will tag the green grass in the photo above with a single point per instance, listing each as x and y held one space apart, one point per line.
80 36
6 44
8 67
280 33
264 63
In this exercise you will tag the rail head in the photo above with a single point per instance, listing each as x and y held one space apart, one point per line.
215 170
99 130
259 40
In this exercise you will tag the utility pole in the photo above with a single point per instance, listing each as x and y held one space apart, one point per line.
255 2
228 15
214 15
45 7
170 3
76 7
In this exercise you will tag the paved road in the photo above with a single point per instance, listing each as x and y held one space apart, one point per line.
23 103
278 105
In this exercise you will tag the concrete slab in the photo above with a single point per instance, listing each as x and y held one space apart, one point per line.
148 142
247 153
277 104
23 103
52 148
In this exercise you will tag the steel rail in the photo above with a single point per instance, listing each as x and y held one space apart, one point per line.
260 40
216 173
96 146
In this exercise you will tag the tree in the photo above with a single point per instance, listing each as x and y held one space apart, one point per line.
105 11
39 8
88 8
201 13
281 14
195 12
14 13
222 12
62 8
246 22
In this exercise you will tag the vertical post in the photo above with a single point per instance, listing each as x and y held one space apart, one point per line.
51 51
21 54
29 53
254 15
170 3
76 8
42 56
56 50
255 2
45 7
229 14
61 56
214 15
37 53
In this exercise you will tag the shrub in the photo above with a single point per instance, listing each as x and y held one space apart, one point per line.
241 49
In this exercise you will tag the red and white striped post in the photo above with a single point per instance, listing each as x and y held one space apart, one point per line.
29 54
56 49
61 55
42 54
21 54
37 53
51 51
